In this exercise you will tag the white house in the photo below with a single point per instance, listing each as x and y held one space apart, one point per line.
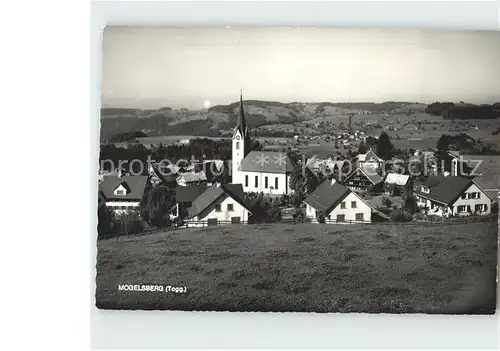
337 203
123 194
258 171
446 196
370 160
218 205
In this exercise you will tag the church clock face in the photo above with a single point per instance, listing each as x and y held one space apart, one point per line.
237 137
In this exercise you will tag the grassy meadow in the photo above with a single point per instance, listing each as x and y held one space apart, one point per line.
306 267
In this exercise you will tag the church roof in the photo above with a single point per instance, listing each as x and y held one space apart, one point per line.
241 125
267 161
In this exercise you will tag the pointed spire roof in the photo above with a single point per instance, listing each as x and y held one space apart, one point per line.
241 124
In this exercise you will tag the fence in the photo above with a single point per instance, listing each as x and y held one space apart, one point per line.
207 224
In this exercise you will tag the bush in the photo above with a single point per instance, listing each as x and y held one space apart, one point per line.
386 201
320 216
400 216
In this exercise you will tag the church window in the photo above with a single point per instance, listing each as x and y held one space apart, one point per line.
266 182
246 181
256 181
276 183
237 145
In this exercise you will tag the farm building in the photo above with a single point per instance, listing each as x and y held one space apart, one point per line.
337 203
446 196
219 205
370 160
364 179
123 194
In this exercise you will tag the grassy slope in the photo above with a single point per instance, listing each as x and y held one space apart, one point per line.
309 267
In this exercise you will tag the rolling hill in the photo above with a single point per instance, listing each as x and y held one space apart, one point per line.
221 118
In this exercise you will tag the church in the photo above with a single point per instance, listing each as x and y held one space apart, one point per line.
268 172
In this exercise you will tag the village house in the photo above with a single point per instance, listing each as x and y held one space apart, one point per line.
123 194
218 205
162 175
184 197
370 160
189 178
258 171
337 203
395 182
446 196
364 179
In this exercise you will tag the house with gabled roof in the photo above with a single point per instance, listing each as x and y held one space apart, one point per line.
192 177
400 181
370 160
123 194
364 179
219 204
337 203
268 172
446 196
184 197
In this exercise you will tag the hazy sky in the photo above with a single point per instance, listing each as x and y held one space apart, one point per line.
185 67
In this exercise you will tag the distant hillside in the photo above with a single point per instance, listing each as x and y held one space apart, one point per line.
220 119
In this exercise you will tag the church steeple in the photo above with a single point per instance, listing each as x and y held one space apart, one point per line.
241 123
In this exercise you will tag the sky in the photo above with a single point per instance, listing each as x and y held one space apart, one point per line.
197 67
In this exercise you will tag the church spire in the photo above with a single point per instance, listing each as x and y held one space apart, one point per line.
241 124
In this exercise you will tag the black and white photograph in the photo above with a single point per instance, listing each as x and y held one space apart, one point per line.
298 169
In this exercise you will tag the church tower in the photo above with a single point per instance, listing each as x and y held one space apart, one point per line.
241 143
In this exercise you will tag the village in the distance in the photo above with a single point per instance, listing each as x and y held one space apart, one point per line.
335 163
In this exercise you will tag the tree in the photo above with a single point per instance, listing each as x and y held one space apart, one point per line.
105 220
384 147
410 205
362 149
156 205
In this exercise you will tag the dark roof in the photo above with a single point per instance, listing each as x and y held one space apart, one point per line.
327 196
165 175
213 193
189 193
267 161
369 173
241 123
135 186
444 189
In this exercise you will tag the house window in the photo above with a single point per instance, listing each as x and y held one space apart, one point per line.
217 208
256 181
340 218
230 207
353 204
120 192
425 190
464 196
359 216
475 195
463 208
265 182
237 145
342 204
246 181
276 183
